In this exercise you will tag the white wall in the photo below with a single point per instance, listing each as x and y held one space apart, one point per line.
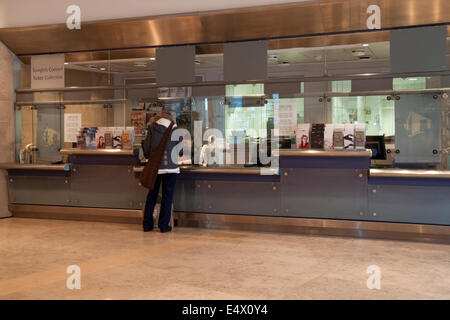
19 13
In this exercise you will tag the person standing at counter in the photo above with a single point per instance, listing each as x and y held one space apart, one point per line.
167 173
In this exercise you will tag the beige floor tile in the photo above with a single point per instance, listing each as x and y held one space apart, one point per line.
119 261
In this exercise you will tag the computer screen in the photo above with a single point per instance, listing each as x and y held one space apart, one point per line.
378 147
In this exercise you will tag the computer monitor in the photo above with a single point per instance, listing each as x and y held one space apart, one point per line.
378 147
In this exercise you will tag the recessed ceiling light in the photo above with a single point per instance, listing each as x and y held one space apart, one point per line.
152 58
358 52
365 45
103 69
140 64
66 63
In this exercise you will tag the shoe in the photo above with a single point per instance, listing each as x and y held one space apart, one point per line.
147 229
164 230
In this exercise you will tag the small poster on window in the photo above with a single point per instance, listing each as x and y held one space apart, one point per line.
72 124
303 130
138 121
285 118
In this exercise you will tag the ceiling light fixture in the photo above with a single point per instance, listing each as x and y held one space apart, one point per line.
140 64
152 58
365 45
358 52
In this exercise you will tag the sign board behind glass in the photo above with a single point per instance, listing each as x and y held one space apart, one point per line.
48 133
419 49
417 129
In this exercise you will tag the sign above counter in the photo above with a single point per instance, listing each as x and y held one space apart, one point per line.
47 71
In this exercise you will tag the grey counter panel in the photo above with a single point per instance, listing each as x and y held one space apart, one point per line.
186 197
104 186
410 204
43 190
324 193
232 197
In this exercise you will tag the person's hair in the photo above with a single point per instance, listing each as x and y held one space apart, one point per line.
164 115
302 143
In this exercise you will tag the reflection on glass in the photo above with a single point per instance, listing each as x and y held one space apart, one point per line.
414 83
375 111
341 86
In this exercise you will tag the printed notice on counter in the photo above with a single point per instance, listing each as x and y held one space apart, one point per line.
285 118
47 71
72 123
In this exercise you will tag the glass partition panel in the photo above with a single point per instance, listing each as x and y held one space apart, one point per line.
412 83
417 134
446 131
310 80
376 112
26 120
49 133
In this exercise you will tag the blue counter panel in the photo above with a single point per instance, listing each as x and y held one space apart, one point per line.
410 204
325 162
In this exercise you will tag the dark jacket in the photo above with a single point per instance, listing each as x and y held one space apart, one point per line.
155 134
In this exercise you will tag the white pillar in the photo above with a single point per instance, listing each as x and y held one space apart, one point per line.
6 122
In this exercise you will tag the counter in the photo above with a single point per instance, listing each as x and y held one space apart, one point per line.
118 152
328 153
37 167
312 184
410 196
219 170
409 174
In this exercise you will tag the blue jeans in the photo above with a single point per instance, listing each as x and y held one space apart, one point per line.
168 185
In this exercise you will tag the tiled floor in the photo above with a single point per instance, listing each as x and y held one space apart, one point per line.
118 261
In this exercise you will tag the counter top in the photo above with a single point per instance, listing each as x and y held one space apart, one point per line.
325 153
224 170
47 167
120 152
404 173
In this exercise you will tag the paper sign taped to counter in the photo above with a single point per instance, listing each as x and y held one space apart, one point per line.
72 123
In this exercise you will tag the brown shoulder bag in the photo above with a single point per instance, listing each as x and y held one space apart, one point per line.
150 172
